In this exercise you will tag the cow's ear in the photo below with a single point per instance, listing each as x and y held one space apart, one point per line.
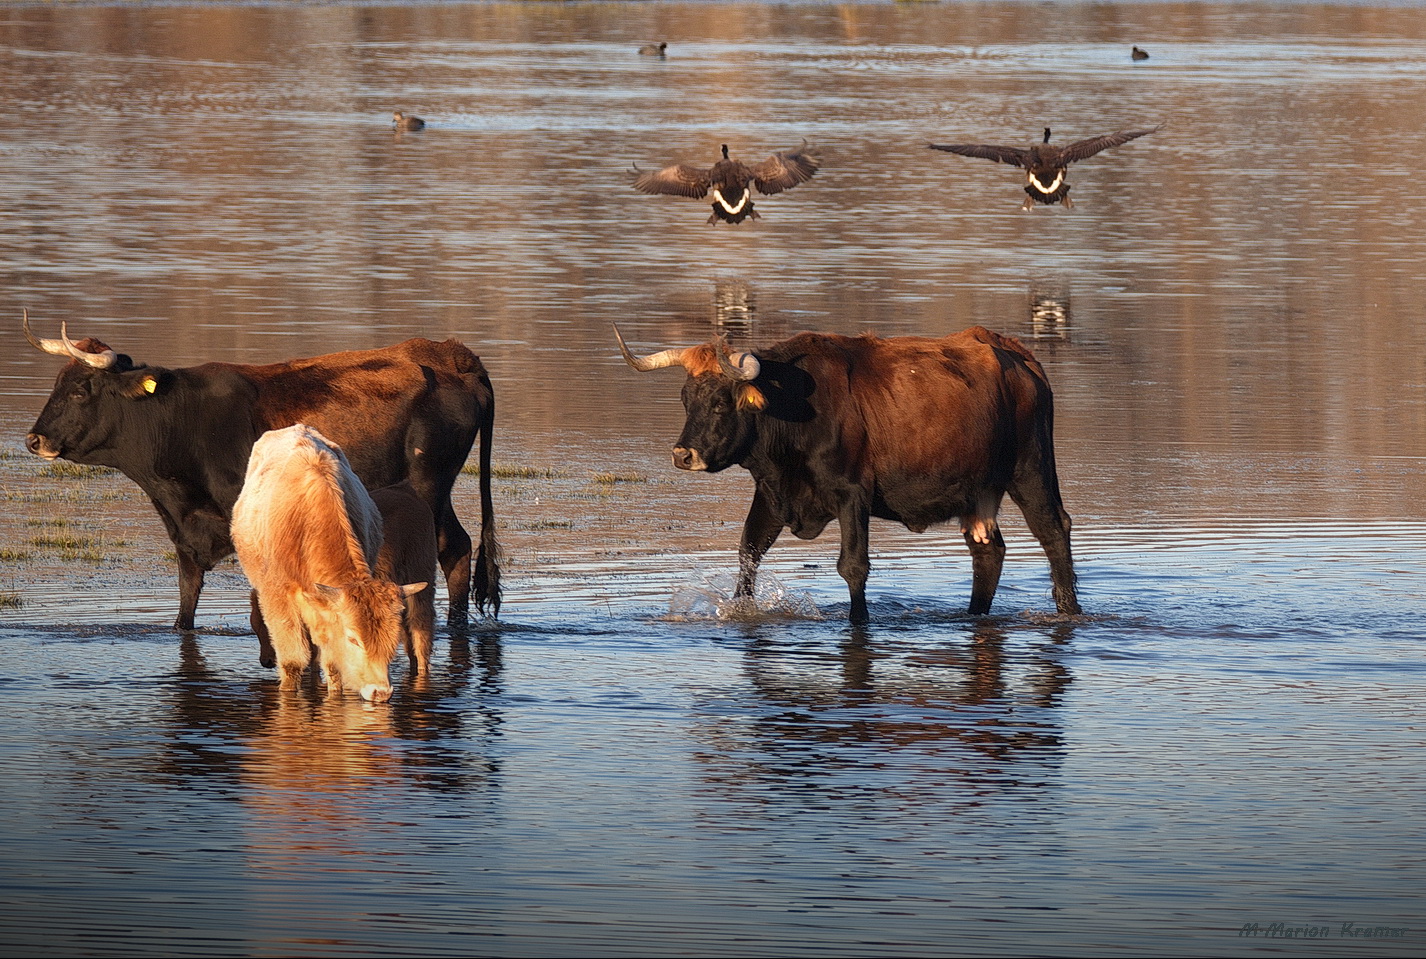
142 384
750 397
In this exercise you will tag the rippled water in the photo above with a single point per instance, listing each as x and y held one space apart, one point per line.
1221 757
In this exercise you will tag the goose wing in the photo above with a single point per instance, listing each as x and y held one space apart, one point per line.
1083 149
677 180
783 171
1011 155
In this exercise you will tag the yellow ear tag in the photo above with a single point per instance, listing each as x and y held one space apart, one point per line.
150 384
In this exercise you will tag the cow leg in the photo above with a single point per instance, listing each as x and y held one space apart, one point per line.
760 531
290 647
987 558
190 584
420 630
854 563
266 655
1048 520
453 548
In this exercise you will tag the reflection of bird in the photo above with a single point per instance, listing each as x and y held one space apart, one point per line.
1138 54
731 181
401 121
1045 166
653 49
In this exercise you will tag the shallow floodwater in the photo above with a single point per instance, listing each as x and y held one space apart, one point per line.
1222 756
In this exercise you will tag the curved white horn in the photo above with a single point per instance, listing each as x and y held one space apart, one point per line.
56 347
654 361
100 361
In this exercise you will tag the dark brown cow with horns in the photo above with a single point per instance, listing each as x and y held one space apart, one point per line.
911 429
408 411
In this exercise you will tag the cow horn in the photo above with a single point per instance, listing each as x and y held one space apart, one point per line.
654 361
100 361
65 347
55 347
746 368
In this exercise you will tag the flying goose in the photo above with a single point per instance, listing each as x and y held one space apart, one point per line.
1045 166
731 181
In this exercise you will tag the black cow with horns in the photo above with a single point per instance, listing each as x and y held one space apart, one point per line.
911 429
411 411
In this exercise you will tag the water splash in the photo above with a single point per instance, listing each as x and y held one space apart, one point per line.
710 596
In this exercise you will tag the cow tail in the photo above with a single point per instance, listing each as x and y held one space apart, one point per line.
485 578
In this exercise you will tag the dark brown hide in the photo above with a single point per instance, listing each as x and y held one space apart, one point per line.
911 429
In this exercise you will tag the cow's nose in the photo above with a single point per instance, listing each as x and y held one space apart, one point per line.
32 442
376 694
683 458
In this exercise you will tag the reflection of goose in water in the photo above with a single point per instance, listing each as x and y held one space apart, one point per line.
1050 312
731 181
734 311
1045 166
401 122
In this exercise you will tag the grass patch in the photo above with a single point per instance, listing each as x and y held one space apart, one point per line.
609 479
514 471
540 524
8 555
67 470
50 522
70 544
62 541
10 600
76 497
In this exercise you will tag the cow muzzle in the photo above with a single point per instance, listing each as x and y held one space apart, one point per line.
687 459
376 693
41 446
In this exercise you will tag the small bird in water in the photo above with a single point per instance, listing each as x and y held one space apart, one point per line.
1139 54
731 181
401 121
1044 165
653 49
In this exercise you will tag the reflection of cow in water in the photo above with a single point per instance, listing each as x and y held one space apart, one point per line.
408 411
911 429
943 716
307 534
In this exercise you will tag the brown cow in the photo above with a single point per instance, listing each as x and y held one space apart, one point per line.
307 535
911 429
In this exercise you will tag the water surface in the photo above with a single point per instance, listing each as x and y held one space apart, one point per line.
1225 750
